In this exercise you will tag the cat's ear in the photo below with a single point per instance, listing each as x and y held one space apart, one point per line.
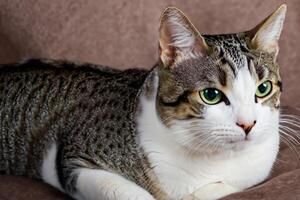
178 37
265 35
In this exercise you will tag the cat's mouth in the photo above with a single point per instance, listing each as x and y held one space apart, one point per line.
231 136
237 141
243 140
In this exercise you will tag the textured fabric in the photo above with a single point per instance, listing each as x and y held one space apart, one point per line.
282 185
19 188
124 34
285 186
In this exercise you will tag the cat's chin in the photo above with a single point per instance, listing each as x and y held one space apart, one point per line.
235 146
225 148
242 145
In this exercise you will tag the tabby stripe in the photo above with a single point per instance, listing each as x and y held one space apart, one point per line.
181 98
279 83
231 67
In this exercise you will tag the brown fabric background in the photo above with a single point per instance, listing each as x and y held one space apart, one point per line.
284 184
123 34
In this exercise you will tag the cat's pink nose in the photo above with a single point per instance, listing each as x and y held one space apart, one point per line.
247 127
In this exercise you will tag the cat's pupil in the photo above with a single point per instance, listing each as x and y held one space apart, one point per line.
211 94
263 88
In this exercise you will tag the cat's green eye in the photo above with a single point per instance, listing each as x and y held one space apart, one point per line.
211 96
264 89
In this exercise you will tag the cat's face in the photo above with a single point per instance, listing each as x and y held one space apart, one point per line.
219 92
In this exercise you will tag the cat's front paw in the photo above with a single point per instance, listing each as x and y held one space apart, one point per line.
212 191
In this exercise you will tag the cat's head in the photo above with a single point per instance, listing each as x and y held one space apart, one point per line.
220 91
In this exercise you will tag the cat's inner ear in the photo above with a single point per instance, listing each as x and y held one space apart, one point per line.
265 35
178 38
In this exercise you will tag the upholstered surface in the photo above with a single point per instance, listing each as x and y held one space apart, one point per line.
283 184
123 34
20 188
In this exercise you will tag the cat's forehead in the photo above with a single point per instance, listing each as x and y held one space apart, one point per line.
232 55
229 43
232 49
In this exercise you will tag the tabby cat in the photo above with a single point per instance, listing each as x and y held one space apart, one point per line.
202 124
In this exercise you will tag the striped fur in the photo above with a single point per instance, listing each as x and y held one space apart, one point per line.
98 133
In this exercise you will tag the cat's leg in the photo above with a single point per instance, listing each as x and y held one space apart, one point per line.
81 181
212 191
94 184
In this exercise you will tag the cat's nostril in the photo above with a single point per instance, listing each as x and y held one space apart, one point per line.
247 127
240 125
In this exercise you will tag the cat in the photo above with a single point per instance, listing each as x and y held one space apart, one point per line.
201 124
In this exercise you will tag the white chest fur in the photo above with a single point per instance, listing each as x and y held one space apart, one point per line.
181 174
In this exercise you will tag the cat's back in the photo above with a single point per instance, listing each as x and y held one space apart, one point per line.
64 79
40 83
38 71
38 97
